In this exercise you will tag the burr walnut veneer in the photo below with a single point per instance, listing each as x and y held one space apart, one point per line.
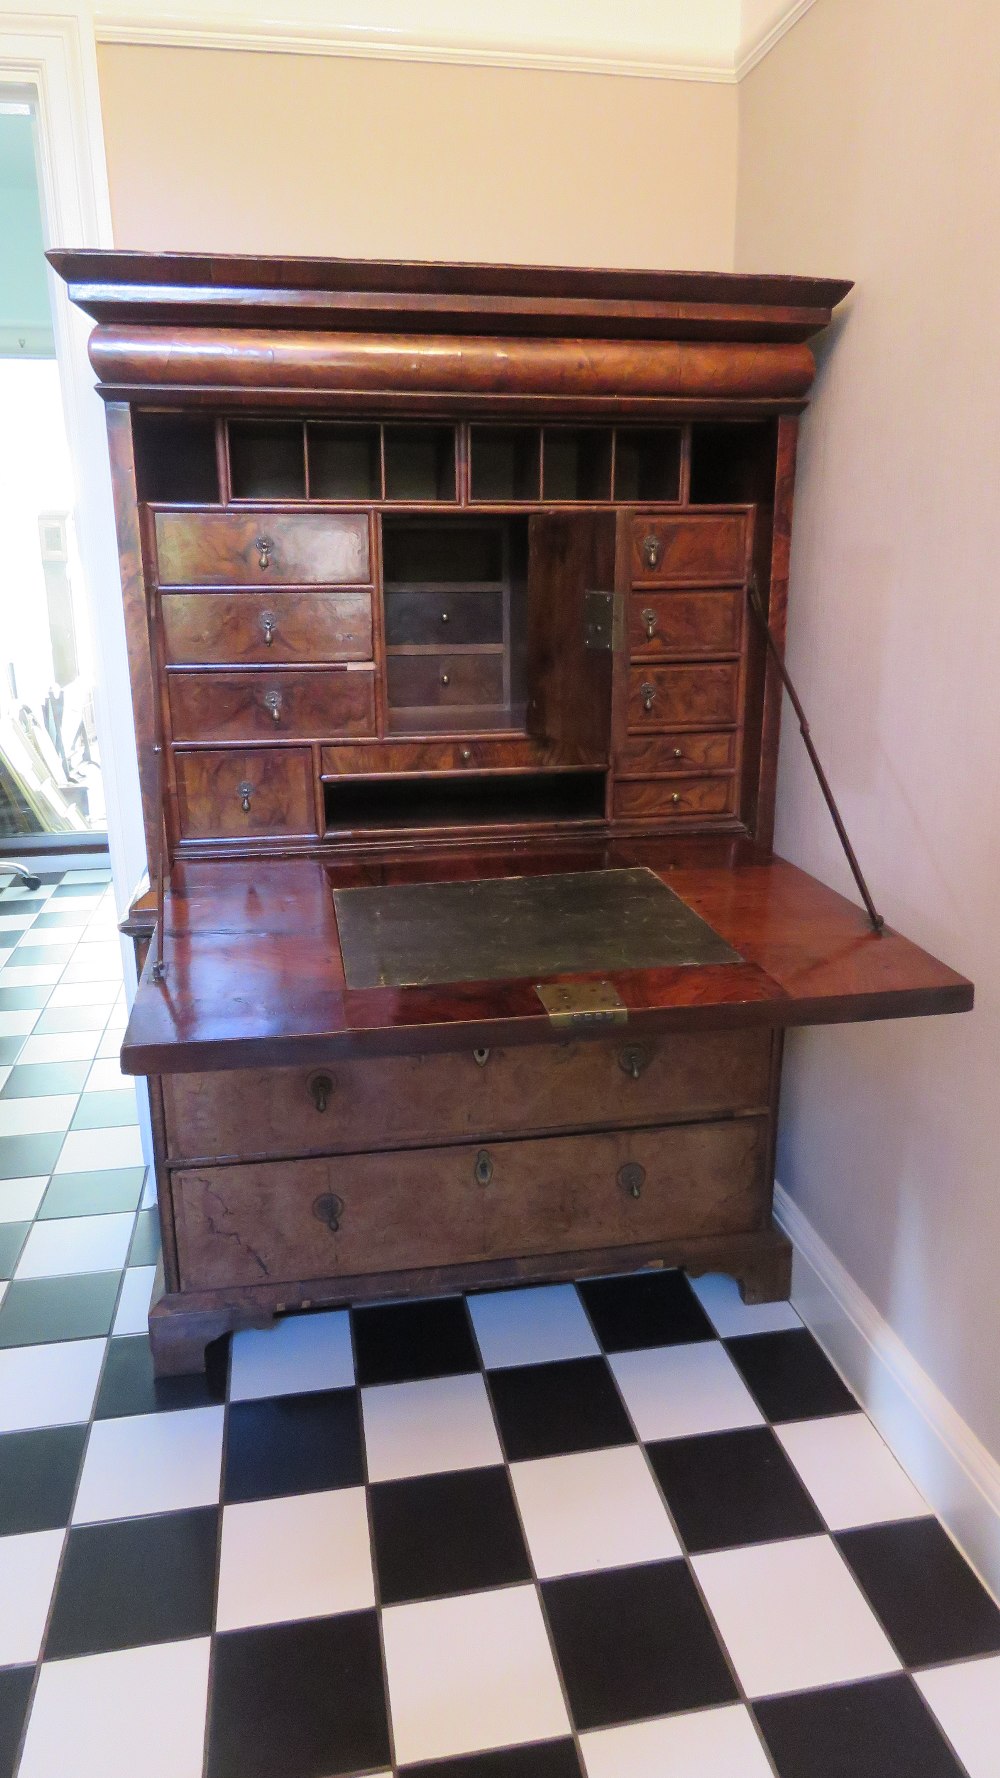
435 574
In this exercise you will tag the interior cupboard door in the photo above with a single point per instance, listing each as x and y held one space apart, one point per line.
569 682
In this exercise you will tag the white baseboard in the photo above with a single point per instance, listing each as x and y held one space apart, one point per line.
954 1471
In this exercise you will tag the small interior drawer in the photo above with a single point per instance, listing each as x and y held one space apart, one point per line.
659 756
683 696
642 800
252 794
442 618
698 547
429 679
685 623
272 628
267 706
261 548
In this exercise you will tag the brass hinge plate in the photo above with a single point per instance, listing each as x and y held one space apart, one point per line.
582 1003
599 611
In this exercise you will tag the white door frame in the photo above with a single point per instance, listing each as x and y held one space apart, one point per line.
52 60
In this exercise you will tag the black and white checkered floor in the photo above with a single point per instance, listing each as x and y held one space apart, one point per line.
627 1530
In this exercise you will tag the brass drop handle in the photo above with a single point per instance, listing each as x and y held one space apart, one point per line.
268 623
329 1208
484 1167
320 1090
264 546
652 550
649 619
647 693
272 703
632 1178
446 679
244 792
632 1062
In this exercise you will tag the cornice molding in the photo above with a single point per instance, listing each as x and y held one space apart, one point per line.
251 29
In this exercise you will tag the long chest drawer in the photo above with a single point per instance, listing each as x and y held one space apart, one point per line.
695 695
325 625
261 548
256 794
286 705
400 1100
341 1215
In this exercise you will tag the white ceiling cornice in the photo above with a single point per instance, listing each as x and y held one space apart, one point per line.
702 40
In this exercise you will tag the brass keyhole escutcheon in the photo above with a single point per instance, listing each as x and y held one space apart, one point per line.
244 792
652 550
264 547
632 1062
481 1057
329 1208
321 1091
272 703
484 1167
268 623
632 1178
647 693
649 619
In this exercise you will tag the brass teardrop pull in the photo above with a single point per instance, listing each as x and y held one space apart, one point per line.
264 547
649 619
647 693
632 1062
272 703
484 1167
632 1178
321 1091
652 550
244 792
329 1208
268 623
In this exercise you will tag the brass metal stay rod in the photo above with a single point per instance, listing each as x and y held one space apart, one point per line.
877 920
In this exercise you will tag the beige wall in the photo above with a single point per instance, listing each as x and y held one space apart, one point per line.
869 147
245 152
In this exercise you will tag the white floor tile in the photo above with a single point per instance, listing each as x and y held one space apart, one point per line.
531 1326
151 1463
30 1117
70 1244
298 1354
470 1673
137 1713
792 1616
678 1391
307 1555
48 1385
27 1576
20 1198
420 1428
18 1024
96 962
699 1744
106 1076
61 1046
53 935
111 1042
83 994
85 1150
10 922
852 1476
965 1698
730 1315
15 889
597 1509
30 975
133 1304
100 874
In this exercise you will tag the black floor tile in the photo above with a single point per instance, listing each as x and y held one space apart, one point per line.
28 1157
135 1581
301 1700
57 1019
405 1342
24 904
789 1375
878 1729
10 1049
436 1535
15 1689
293 1444
12 1238
36 1311
731 1488
23 999
145 1248
33 1080
645 1309
99 1193
31 956
536 1759
104 1110
38 1477
72 891
635 1642
128 1385
928 1599
546 1410
52 922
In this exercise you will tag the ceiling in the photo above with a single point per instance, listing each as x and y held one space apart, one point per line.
679 39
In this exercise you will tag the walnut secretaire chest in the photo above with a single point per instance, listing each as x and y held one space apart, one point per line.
457 740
